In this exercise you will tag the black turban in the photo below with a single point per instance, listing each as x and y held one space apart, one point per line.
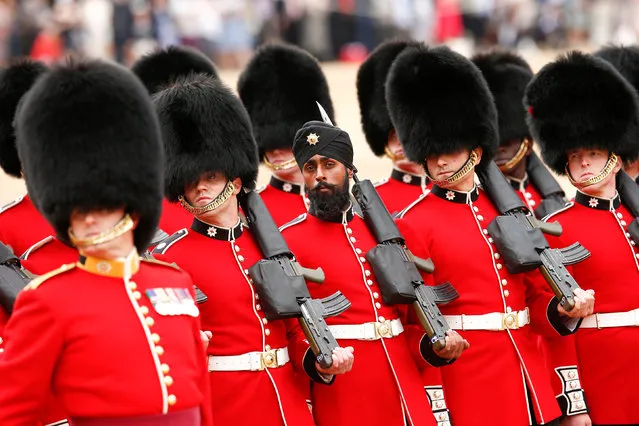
317 137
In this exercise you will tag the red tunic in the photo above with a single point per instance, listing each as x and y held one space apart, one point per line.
101 345
174 217
494 378
527 192
612 271
401 189
218 261
21 225
384 386
284 200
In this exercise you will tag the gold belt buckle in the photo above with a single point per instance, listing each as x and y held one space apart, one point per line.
384 329
269 359
510 321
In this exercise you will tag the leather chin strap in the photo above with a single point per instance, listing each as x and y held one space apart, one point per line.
468 167
605 172
217 202
520 155
122 227
288 164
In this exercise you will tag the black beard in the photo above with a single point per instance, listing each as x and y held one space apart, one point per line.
329 206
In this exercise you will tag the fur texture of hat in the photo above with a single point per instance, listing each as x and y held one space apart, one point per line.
371 93
625 59
507 75
15 81
89 138
159 69
440 103
205 128
581 101
279 88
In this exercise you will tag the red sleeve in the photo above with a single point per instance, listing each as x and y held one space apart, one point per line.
205 408
34 343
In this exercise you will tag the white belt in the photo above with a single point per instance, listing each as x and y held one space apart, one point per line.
252 361
368 331
612 319
494 321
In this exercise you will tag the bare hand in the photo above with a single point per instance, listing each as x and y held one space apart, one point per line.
206 337
584 304
578 420
342 361
455 345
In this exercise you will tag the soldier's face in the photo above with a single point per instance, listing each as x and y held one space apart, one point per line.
284 157
400 160
87 224
584 164
507 152
202 192
324 175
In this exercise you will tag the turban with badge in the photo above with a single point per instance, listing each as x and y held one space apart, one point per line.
317 137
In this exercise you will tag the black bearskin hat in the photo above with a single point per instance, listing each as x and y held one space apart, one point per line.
15 81
205 128
507 75
625 59
279 88
371 80
580 101
160 68
440 103
88 138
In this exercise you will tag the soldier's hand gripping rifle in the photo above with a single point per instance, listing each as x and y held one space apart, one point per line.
396 268
281 282
13 278
519 237
629 193
554 198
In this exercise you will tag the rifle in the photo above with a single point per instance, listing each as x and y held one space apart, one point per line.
396 268
553 196
519 237
629 193
13 278
280 282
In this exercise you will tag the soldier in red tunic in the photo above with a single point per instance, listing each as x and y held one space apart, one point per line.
157 70
280 88
407 181
389 349
211 156
445 118
507 75
21 225
116 340
585 115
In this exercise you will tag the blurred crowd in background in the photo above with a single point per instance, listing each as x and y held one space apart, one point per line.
344 30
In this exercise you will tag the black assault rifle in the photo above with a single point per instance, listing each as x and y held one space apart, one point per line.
281 282
396 268
553 197
629 193
519 237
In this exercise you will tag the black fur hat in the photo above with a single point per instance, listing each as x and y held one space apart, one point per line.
371 80
440 103
580 101
507 75
205 128
625 59
279 88
89 138
15 81
160 68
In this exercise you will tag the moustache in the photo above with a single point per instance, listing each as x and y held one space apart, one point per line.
322 185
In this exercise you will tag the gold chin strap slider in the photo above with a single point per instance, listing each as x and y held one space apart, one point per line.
217 202
605 172
122 227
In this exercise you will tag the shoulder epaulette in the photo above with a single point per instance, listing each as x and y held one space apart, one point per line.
413 204
169 241
161 263
260 188
569 205
299 219
37 281
11 204
380 182
36 246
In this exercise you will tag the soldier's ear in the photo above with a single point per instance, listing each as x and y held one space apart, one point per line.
350 173
618 165
479 151
237 183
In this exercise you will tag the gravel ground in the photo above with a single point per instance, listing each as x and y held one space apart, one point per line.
341 78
